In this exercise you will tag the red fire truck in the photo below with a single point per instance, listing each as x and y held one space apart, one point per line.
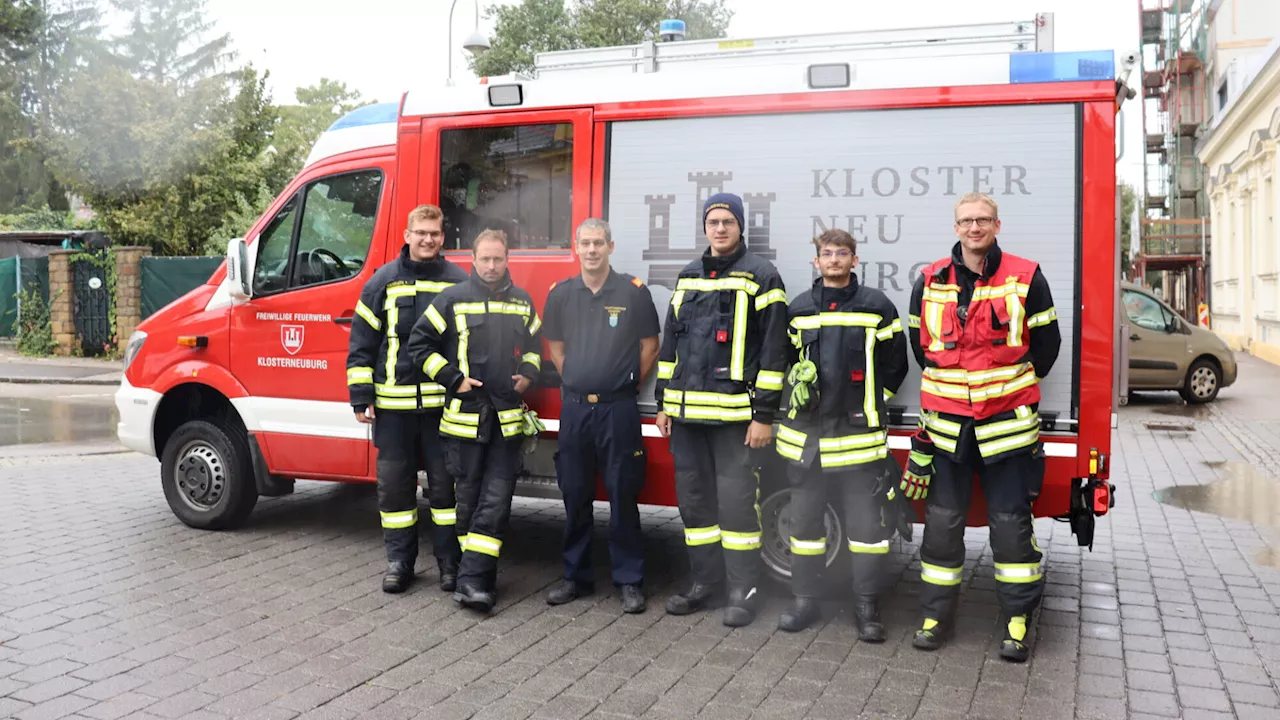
239 387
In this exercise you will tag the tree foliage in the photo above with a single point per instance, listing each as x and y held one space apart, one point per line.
1128 206
166 42
300 125
536 26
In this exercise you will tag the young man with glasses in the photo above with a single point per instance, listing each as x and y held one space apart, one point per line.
389 391
848 357
983 327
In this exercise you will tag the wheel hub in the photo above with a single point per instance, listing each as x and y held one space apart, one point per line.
775 522
201 476
1203 382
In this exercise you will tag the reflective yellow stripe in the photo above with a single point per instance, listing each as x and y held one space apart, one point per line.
852 457
359 375
795 437
1013 442
437 321
1042 318
454 416
666 369
913 321
434 364
938 575
888 394
444 516
775 295
877 548
1018 572
385 390
738 352
677 298
716 284
959 392
512 415
1010 288
702 536
942 297
1016 315
1005 427
433 401
808 547
920 459
397 520
393 340
461 431
942 441
768 380
951 375
697 412
989 392
483 544
399 291
1008 372
740 540
789 451
533 359
535 325
385 403
850 442
871 403
886 333
698 397
934 422
432 286
933 322
368 315
836 319
464 338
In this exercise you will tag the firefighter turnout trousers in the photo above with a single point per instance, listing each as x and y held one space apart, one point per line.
601 438
407 441
853 492
485 475
718 491
1010 484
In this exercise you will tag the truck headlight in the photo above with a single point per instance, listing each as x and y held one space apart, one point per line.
134 347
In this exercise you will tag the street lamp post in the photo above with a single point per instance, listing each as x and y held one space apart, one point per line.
475 42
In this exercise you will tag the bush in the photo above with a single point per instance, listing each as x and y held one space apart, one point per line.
43 219
35 330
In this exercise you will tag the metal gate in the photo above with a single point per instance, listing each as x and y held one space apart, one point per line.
92 310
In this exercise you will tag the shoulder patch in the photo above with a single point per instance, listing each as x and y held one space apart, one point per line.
742 273
636 281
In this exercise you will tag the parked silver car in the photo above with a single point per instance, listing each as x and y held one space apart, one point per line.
1169 353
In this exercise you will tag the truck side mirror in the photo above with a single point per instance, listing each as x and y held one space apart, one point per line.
238 269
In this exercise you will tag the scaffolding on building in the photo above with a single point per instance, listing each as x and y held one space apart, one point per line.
1173 235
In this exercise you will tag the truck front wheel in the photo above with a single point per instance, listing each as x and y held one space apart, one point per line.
207 475
776 540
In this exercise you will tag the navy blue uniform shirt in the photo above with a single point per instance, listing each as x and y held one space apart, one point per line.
601 332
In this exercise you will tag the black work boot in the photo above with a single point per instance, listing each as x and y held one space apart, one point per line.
741 609
804 611
399 576
697 597
866 615
568 591
933 634
448 574
1014 647
633 602
474 598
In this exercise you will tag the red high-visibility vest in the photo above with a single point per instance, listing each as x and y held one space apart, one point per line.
983 367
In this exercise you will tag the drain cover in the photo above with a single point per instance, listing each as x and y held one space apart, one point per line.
1169 426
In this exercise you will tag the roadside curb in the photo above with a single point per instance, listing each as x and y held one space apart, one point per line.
59 381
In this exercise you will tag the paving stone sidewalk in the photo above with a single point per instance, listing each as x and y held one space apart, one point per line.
110 608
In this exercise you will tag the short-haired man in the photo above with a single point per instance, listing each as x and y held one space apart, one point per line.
479 340
602 334
724 350
848 356
983 327
388 390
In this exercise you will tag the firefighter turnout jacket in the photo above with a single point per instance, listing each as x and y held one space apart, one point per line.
379 370
471 330
849 353
985 341
724 341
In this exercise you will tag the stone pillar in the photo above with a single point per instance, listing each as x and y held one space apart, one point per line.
128 290
61 301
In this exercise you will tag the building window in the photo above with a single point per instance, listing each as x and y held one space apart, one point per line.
1222 94
518 179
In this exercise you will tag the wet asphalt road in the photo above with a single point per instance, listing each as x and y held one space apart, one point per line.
32 414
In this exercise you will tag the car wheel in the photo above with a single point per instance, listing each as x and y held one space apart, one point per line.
207 475
1203 382
775 546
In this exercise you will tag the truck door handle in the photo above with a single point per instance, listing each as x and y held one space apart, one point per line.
343 320
1134 337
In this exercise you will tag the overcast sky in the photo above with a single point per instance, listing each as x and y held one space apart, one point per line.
383 47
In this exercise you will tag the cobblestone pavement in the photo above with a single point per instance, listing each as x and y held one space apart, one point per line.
111 608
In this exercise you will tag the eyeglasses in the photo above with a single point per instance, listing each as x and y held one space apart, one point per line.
730 223
424 234
983 222
837 254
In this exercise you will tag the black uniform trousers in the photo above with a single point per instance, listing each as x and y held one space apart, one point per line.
486 481
407 441
601 438
854 488
1010 485
718 491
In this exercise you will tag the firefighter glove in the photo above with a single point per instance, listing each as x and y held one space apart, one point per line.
919 472
801 377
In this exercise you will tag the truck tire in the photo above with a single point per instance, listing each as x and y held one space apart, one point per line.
207 475
1204 379
775 545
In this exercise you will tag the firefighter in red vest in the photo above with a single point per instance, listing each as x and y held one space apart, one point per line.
983 326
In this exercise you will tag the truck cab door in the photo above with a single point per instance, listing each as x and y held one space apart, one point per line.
1156 349
289 340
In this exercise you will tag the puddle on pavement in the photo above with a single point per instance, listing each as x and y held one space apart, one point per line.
1194 412
1241 493
39 420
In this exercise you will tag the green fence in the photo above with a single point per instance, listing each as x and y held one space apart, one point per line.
17 273
165 279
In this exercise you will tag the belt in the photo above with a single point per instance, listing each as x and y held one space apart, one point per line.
597 398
